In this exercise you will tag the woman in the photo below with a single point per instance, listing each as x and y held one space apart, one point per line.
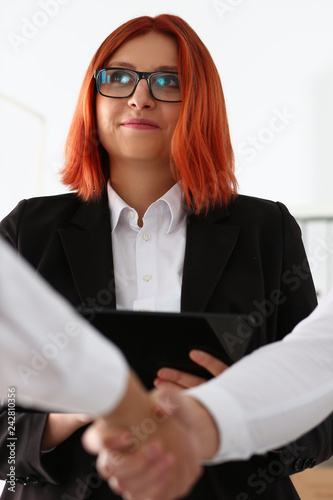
149 145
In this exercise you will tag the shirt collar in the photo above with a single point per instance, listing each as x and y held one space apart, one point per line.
172 199
116 205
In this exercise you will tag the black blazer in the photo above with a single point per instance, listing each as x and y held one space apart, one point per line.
248 259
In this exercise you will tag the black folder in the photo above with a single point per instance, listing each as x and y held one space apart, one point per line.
151 340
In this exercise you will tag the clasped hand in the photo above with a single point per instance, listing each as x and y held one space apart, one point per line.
151 446
177 379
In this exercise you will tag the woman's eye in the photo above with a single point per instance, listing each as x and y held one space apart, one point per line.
123 78
167 81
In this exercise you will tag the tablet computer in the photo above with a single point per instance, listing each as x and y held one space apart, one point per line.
151 340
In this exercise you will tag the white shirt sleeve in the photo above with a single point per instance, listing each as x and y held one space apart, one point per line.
52 357
277 393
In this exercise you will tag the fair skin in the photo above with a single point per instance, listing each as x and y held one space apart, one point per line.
140 173
169 455
59 426
160 463
143 473
140 158
168 378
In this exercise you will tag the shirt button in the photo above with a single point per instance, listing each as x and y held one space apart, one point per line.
306 463
147 277
298 465
131 215
32 480
146 236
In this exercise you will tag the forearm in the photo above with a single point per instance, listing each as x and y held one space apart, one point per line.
156 433
297 390
22 337
29 430
134 405
59 427
133 408
204 428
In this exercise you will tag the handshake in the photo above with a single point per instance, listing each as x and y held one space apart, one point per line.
151 445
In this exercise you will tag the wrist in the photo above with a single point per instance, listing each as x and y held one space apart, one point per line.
204 428
59 426
134 405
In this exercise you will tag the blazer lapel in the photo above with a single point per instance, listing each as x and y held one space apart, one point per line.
209 245
87 244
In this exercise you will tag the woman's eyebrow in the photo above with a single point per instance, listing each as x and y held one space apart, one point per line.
123 64
167 68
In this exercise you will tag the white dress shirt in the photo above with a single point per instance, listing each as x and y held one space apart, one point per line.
265 400
277 393
48 352
149 260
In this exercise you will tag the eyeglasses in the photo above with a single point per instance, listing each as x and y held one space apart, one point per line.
121 83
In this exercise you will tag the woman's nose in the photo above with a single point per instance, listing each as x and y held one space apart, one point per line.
141 98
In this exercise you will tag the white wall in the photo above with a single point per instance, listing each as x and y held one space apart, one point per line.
275 59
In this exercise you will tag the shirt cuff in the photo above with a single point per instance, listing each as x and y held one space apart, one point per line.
235 442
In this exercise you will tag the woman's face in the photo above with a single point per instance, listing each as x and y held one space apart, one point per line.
128 142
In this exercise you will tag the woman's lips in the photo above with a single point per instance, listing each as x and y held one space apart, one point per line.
140 123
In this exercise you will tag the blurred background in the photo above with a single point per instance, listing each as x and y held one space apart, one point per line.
275 58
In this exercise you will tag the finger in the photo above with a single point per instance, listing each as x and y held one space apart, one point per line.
214 365
131 464
104 465
100 435
82 417
92 439
118 439
152 483
183 379
114 485
163 384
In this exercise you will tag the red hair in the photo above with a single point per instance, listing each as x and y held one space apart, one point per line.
201 159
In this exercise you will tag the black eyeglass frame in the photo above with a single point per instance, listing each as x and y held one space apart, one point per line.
140 75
